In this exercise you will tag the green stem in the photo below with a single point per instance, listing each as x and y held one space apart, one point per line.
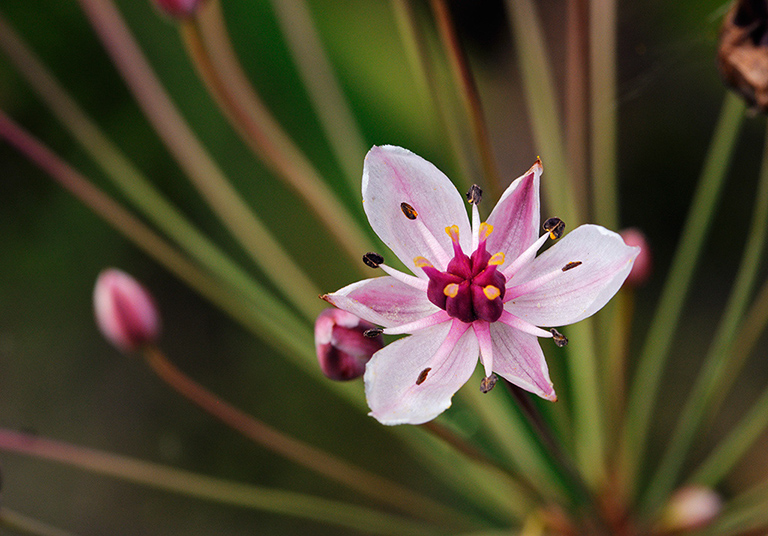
468 91
212 489
22 524
652 358
374 486
192 156
718 359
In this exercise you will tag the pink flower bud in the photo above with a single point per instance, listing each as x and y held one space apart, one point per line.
342 347
178 9
691 508
643 267
125 312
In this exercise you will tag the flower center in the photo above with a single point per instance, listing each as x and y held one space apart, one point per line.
471 288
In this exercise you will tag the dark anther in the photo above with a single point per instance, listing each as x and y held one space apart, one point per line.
409 211
373 333
487 383
571 265
558 337
474 195
423 375
555 227
372 259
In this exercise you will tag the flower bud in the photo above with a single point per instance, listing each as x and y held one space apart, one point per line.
691 508
178 9
125 312
342 347
643 267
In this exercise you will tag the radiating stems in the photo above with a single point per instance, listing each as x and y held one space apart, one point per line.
212 489
718 358
319 79
602 76
209 48
465 83
644 389
194 159
21 524
376 487
543 109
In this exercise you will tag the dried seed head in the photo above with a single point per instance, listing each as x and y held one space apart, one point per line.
555 227
344 344
559 338
474 195
372 259
409 211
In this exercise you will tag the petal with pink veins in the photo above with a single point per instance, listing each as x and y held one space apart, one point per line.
412 380
517 357
391 176
385 301
577 293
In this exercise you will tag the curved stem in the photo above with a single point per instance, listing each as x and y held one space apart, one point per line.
212 489
653 356
379 488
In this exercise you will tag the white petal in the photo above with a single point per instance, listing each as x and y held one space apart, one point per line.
519 359
391 375
579 292
391 176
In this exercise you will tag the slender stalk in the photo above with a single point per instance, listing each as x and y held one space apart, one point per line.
744 515
22 524
328 99
376 487
653 356
192 156
718 359
602 76
198 486
468 91
543 109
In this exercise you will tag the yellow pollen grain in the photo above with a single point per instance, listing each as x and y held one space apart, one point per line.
451 290
421 262
485 230
497 259
491 292
453 232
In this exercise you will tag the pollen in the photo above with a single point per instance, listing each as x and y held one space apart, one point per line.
491 292
453 232
485 230
421 262
451 290
497 259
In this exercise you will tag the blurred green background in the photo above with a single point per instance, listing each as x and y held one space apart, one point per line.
59 378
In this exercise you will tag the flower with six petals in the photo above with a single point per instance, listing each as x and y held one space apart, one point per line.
478 289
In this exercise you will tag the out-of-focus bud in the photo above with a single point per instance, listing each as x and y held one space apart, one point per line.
343 347
743 51
125 312
643 266
690 508
179 9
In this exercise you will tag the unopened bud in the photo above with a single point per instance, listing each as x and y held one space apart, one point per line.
125 311
178 9
643 267
691 508
344 344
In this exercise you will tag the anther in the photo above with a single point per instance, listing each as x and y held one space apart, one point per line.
555 227
409 211
571 266
474 195
421 262
487 383
372 259
423 376
373 332
559 338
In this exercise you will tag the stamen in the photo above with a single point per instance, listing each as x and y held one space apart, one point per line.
422 323
451 290
438 252
571 266
485 231
555 227
526 327
474 195
423 376
525 257
372 259
373 333
484 341
409 211
530 286
497 259
475 227
410 280
491 292
559 338
487 383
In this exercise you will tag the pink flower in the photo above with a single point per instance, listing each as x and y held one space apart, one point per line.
125 312
478 290
178 8
342 346
643 267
